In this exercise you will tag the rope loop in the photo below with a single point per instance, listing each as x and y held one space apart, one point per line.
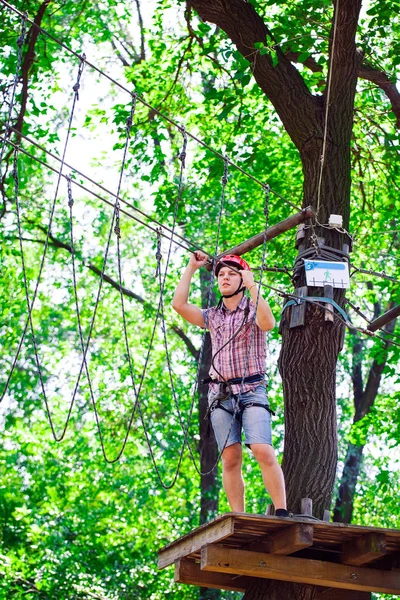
267 191
21 39
117 228
158 253
182 155
14 171
225 175
69 188
77 85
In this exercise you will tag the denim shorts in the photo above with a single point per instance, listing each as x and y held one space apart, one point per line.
256 420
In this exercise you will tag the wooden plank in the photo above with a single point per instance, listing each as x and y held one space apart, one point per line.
328 537
384 319
329 312
272 232
188 571
292 539
299 570
364 549
214 532
286 541
298 311
300 235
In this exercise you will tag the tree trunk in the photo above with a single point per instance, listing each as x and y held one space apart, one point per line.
209 484
208 447
261 589
309 353
307 365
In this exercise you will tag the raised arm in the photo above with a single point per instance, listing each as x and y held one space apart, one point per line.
190 312
264 318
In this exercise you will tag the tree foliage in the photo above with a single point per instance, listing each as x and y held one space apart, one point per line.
73 525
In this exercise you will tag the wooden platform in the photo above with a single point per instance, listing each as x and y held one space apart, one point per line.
235 547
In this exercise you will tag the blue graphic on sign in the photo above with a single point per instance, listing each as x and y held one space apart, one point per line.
330 266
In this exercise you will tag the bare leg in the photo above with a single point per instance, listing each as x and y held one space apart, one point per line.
232 477
271 473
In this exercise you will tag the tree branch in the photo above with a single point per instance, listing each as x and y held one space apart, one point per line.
119 55
125 291
142 47
381 80
375 375
344 66
189 344
115 284
309 62
25 68
365 71
282 83
28 61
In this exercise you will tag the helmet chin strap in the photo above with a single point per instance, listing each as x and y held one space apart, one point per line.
240 289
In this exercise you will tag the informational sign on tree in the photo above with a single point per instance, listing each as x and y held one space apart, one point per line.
320 273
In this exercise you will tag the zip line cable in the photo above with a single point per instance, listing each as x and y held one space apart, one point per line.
66 177
103 188
142 101
191 246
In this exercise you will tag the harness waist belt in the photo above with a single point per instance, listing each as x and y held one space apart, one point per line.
249 379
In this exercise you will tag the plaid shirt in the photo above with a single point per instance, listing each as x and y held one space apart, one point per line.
231 361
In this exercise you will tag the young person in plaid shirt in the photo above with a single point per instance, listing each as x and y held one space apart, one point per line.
239 351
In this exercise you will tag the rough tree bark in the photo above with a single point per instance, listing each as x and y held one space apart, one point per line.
309 354
209 483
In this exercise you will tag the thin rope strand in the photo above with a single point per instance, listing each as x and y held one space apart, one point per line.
46 244
328 96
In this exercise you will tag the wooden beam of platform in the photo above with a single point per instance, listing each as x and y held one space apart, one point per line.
285 541
298 570
272 232
364 549
335 594
214 532
188 571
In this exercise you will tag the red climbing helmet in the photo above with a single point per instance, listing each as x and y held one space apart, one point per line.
232 259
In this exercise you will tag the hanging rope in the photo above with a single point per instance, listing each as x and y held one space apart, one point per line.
46 243
328 98
185 428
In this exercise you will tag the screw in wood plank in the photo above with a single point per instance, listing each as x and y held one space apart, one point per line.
354 576
262 563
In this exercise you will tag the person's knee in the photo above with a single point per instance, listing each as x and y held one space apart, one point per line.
264 455
232 457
